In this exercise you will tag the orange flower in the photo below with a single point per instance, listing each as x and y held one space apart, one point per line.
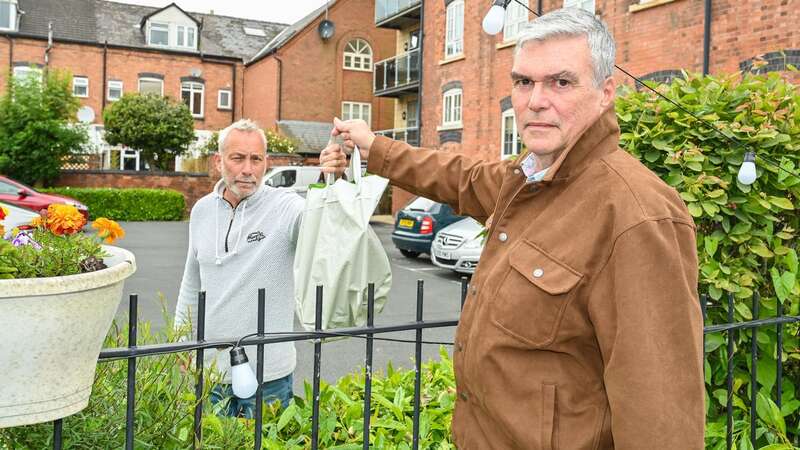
108 229
37 222
3 212
64 219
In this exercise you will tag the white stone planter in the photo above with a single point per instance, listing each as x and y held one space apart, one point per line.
51 333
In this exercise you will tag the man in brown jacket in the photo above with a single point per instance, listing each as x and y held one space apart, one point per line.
582 328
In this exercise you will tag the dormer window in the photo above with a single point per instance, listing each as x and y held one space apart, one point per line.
8 15
186 37
159 34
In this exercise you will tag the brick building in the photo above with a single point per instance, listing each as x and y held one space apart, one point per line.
114 48
465 104
305 79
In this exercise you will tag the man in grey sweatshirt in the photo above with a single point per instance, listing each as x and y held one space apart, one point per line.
242 237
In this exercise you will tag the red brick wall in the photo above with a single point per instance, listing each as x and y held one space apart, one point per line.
125 65
313 81
664 37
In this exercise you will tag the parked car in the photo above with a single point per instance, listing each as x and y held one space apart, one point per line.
417 224
18 194
17 217
297 177
458 246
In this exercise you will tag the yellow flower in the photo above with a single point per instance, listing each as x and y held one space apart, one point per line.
3 212
108 229
64 219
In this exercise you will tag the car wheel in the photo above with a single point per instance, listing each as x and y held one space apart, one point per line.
409 253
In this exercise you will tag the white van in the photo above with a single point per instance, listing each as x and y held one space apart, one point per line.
298 177
295 177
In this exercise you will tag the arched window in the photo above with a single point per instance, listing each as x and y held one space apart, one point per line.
358 55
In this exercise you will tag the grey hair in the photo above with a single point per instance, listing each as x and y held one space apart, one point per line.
573 22
246 125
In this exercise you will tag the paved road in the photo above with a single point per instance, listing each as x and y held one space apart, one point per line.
160 249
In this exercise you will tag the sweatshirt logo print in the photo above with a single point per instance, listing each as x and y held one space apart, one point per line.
255 236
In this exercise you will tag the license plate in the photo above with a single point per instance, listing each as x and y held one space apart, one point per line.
444 255
406 223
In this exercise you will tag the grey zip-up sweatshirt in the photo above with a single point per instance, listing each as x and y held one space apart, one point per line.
232 253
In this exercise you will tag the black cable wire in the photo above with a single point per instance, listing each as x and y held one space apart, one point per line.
705 122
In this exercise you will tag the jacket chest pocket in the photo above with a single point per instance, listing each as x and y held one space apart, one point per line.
533 295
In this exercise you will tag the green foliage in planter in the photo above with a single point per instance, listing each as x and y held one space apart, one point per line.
58 255
37 129
128 204
165 403
746 235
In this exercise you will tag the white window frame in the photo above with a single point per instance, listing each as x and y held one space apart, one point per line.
516 18
115 84
12 15
454 29
348 111
189 38
150 33
194 87
516 141
79 81
361 53
151 79
220 105
588 5
452 104
26 71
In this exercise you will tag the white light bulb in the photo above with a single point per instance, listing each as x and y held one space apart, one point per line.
747 173
494 19
242 376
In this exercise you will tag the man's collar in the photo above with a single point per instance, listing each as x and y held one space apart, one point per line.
600 139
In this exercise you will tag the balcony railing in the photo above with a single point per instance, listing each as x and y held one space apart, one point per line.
396 13
397 75
410 135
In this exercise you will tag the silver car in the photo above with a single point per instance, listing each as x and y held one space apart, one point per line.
458 246
17 217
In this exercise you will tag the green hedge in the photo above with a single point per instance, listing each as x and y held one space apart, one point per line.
128 204
746 235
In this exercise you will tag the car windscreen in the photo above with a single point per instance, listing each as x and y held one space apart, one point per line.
421 204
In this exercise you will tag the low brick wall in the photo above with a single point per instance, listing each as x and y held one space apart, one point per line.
193 186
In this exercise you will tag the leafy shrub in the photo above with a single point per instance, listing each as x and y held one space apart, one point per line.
128 204
37 129
165 403
162 128
746 235
279 144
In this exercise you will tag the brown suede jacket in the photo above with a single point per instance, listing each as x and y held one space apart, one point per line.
582 328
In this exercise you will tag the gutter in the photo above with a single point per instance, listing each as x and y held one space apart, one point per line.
707 38
122 47
280 86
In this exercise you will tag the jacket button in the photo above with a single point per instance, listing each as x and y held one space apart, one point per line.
459 347
503 237
516 171
537 273
474 290
463 396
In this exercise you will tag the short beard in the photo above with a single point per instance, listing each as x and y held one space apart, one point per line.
230 184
